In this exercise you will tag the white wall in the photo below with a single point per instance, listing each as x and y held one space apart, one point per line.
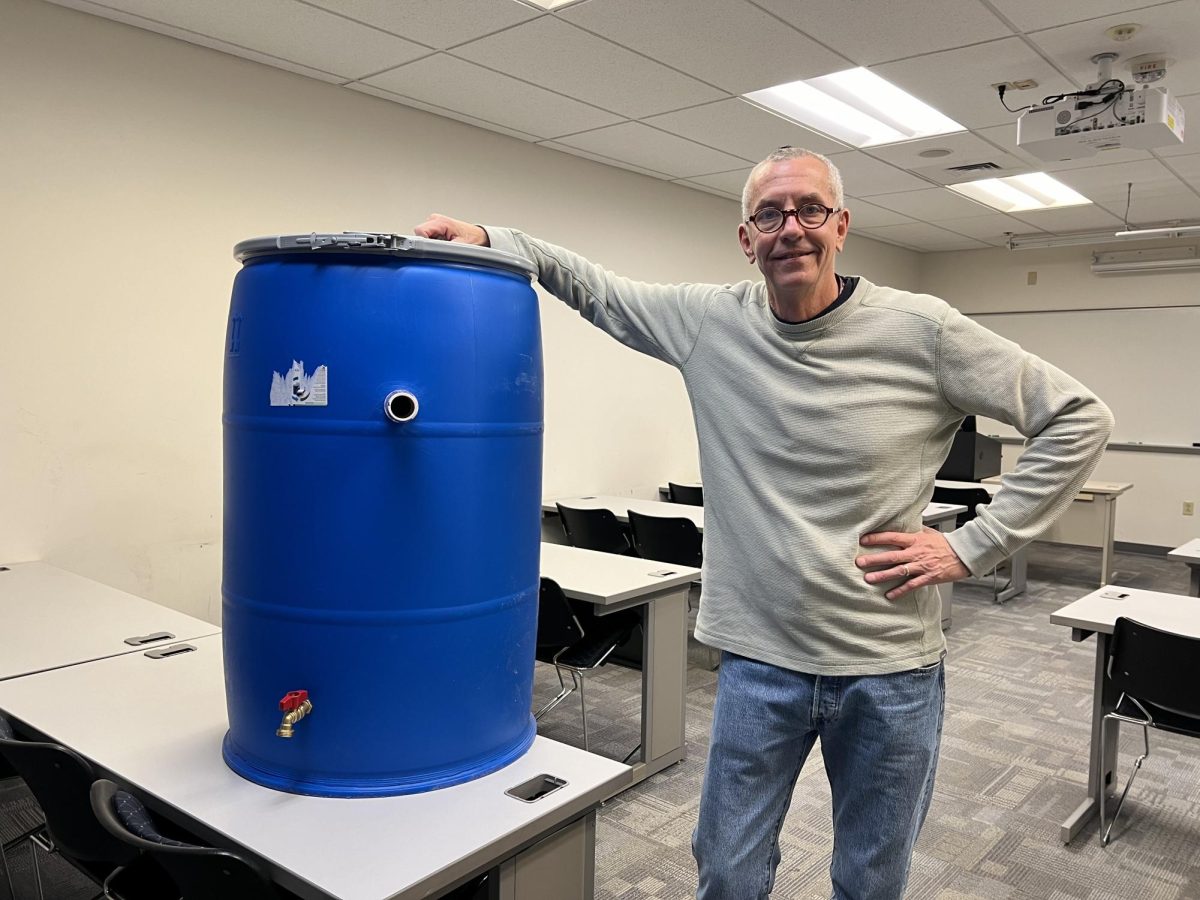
1150 377
131 163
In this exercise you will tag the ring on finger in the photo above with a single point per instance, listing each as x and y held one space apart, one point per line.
904 571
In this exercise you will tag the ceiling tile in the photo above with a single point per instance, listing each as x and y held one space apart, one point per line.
1030 15
475 91
989 229
548 51
1073 218
1107 183
868 215
925 237
1186 167
863 176
870 31
285 29
1169 28
730 183
931 205
1144 211
959 82
708 189
742 129
440 111
608 161
965 149
435 23
643 146
731 44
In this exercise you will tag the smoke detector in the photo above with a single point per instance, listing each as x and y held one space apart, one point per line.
1123 32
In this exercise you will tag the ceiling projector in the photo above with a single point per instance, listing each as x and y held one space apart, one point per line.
1107 115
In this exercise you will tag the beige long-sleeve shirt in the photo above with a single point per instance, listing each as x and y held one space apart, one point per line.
814 434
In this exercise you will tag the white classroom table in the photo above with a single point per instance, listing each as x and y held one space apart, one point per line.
1090 520
51 618
1018 579
1189 554
941 516
157 724
613 582
1097 614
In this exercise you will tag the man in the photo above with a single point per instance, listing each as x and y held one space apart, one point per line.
824 406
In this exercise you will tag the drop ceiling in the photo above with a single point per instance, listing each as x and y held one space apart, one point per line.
652 86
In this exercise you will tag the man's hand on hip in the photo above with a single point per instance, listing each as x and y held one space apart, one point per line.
443 228
923 558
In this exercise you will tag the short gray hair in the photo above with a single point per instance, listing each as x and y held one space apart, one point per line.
786 153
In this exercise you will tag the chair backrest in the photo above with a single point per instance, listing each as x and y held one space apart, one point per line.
671 540
60 780
968 497
593 529
557 626
690 494
200 873
1156 666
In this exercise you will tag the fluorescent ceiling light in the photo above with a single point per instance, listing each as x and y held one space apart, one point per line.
856 107
1180 230
1021 193
550 4
1135 262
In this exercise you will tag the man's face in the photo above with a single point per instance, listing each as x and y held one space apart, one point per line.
794 258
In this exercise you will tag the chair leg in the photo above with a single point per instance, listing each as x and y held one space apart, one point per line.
559 698
1137 764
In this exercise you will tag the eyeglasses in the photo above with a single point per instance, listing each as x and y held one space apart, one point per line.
810 215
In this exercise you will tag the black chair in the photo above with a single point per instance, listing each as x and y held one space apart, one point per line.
594 529
669 540
689 494
61 781
1157 673
21 823
576 640
200 873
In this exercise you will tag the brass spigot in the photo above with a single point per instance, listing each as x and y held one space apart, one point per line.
295 706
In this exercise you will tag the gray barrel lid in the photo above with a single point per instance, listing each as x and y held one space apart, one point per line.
372 242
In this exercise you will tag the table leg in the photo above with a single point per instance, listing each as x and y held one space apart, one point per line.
561 866
946 591
664 683
1106 541
1102 760
1019 570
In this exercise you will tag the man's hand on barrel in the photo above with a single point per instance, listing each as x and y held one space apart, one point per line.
443 228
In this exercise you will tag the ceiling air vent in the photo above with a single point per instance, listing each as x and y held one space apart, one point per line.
949 174
975 167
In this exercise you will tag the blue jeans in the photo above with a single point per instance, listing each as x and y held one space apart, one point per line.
879 738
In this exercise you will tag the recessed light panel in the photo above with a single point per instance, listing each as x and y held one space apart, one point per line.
550 4
1021 193
856 107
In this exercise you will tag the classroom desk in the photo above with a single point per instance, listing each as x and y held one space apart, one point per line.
1090 520
1018 579
53 618
1189 554
613 582
157 724
1097 614
941 516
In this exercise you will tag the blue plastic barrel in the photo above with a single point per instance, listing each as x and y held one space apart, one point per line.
383 440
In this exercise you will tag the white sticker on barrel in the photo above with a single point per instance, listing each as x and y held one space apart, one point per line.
297 388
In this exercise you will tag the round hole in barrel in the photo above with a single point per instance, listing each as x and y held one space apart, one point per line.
401 406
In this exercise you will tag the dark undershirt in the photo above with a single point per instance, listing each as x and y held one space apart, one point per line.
846 286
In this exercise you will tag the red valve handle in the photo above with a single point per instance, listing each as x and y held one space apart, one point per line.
292 700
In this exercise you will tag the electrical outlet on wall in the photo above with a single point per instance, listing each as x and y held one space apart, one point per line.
1189 507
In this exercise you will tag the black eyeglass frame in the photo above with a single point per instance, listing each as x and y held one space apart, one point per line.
829 211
